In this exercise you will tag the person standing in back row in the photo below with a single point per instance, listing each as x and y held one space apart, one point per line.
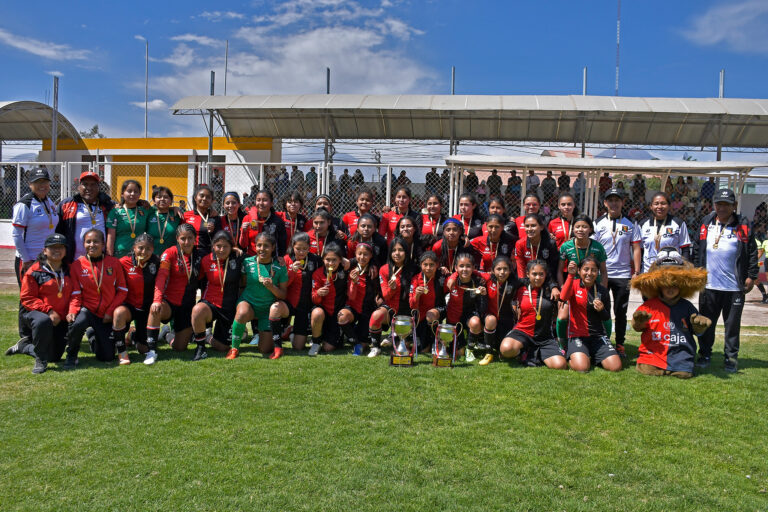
727 249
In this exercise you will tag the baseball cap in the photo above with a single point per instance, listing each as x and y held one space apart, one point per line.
38 174
89 174
55 239
615 191
724 195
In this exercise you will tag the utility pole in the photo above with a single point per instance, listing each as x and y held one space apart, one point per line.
618 40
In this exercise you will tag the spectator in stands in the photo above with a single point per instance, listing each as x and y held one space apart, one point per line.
604 183
731 263
182 205
578 189
638 191
445 178
432 180
681 189
494 183
531 182
693 191
311 179
708 188
358 180
514 187
297 180
669 188
564 182
471 182
548 186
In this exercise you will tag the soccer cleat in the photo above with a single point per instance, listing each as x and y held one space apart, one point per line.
314 350
621 351
486 360
277 354
386 342
150 357
731 365
358 350
255 340
200 353
123 358
469 356
70 363
703 362
40 366
18 347
374 352
233 353
286 334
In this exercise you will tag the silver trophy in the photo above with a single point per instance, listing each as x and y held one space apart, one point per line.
402 327
445 335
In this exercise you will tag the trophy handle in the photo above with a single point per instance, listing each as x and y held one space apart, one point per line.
415 316
433 326
459 328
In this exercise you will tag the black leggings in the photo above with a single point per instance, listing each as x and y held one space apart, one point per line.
619 288
49 340
104 348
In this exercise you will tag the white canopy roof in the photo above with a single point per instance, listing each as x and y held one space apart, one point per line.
30 120
730 122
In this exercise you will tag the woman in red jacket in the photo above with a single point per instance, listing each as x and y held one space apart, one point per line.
50 301
203 218
329 295
402 208
102 283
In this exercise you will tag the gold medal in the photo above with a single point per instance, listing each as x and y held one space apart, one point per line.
714 246
133 235
162 240
59 295
538 317
93 222
50 226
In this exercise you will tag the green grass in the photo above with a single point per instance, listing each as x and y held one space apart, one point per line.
343 433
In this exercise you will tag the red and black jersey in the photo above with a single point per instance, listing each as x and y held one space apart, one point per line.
377 242
667 341
536 303
293 225
473 226
519 221
318 243
361 295
433 299
390 219
232 226
585 320
464 302
490 250
501 296
432 228
504 225
203 240
222 280
337 296
40 290
562 229
447 259
111 292
140 281
178 277
525 251
396 298
349 221
253 225
300 282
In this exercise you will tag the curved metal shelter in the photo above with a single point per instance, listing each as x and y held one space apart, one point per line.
31 120
710 122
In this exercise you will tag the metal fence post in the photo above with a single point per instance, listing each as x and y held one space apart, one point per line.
147 192
388 194
18 181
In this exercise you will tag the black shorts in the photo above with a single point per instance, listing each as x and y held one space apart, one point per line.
361 322
538 351
222 332
331 332
597 348
301 324
139 317
181 316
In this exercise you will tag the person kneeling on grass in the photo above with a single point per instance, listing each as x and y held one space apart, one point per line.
667 320
266 281
589 307
329 294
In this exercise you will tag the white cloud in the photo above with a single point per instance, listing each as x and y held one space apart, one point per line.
43 49
139 37
156 104
182 56
217 16
201 40
55 73
738 26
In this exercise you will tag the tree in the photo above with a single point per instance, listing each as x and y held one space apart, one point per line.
93 133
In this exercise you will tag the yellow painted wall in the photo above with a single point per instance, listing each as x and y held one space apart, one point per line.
173 176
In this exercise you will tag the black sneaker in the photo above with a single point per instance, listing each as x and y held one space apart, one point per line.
731 365
18 347
200 353
70 363
703 362
40 366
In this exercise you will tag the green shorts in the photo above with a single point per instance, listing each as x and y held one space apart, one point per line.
262 315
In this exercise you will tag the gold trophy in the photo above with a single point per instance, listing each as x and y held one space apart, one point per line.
402 327
445 335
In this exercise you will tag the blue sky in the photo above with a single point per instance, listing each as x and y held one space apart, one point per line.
668 48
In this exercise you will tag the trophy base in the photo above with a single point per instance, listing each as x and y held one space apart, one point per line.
406 360
442 362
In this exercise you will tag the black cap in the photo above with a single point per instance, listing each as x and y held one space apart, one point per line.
56 239
724 195
614 192
38 174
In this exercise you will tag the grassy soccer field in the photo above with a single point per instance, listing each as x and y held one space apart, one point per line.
338 432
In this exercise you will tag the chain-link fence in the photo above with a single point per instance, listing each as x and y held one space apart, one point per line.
15 182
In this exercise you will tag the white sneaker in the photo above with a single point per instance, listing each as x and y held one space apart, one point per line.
469 356
314 350
386 342
150 357
374 352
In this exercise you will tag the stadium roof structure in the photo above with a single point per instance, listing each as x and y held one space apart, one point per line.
695 122
31 120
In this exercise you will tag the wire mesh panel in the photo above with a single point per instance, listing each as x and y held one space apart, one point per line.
15 183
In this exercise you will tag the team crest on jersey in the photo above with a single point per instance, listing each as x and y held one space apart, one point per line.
109 271
545 254
232 264
504 248
670 231
152 268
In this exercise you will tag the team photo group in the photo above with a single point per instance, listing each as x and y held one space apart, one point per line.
404 280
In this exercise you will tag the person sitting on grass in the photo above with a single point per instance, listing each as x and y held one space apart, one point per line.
329 294
667 320
266 281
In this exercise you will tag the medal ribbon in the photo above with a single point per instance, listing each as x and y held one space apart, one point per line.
536 307
101 277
